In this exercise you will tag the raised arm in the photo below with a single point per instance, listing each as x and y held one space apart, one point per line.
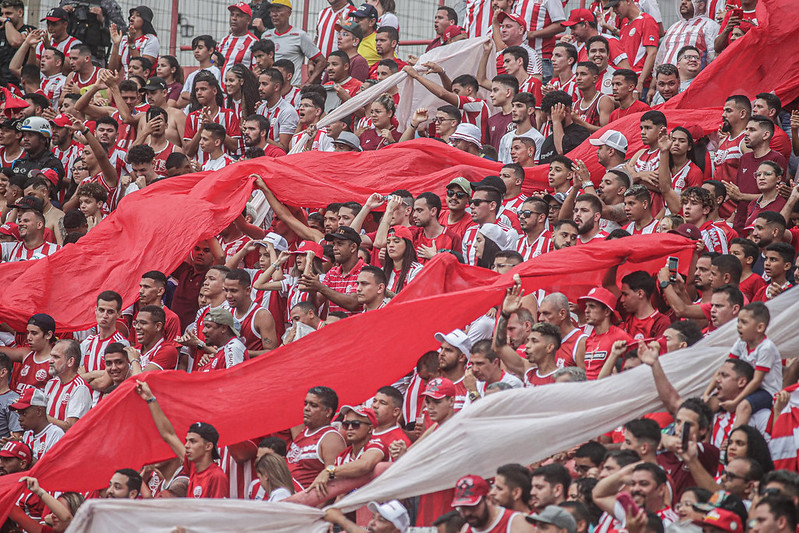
673 201
282 212
437 90
165 428
109 172
512 303
650 355
482 66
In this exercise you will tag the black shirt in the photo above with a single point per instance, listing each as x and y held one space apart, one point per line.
573 136
6 53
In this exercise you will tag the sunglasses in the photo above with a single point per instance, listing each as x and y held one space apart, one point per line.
729 475
457 194
353 424
478 201
527 213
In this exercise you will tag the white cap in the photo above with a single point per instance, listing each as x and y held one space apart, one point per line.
614 139
458 339
502 238
278 242
394 512
469 133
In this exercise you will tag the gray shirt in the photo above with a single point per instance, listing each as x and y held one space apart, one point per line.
9 420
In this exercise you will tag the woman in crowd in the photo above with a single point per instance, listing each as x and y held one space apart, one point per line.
400 265
169 70
383 131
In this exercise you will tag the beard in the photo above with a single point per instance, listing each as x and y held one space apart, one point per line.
586 227
725 125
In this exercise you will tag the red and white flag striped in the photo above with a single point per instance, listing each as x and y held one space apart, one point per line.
784 445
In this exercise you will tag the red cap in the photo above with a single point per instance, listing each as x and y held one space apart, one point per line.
361 411
241 6
11 229
15 448
601 295
400 231
577 16
440 388
722 519
453 30
469 491
51 175
310 246
515 18
689 231
62 121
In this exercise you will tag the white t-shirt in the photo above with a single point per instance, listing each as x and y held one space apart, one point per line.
189 84
766 358
507 141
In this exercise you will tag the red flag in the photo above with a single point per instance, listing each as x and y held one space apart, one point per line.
784 444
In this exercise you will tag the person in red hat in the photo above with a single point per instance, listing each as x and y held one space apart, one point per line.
236 46
9 232
66 148
511 30
40 434
599 306
15 457
583 26
481 515
362 453
720 520
400 264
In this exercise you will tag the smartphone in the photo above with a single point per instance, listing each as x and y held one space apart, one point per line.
737 12
685 435
627 505
673 263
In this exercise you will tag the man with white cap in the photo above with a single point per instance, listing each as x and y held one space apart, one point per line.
486 205
389 517
481 515
222 347
611 149
453 355
347 142
466 138
599 306
362 453
553 519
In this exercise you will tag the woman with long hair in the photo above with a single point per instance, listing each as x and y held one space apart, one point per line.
275 478
747 442
168 69
400 265
241 86
677 147
141 40
490 240
383 132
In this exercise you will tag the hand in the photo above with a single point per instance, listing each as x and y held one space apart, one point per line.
333 515
71 88
35 37
204 359
774 290
260 183
131 35
513 297
732 22
77 125
567 38
419 117
205 116
665 141
116 35
636 523
488 46
49 113
309 283
398 447
426 252
580 172
133 353
375 200
412 59
558 113
729 405
795 120
618 349
386 135
143 390
195 165
320 483
410 71
189 339
733 192
648 353
691 453
781 400
434 67
784 190
469 381
281 259
98 12
68 8
124 181
340 91
33 484
394 204
310 131
109 78
649 177
492 313
640 88
152 125
548 88
722 134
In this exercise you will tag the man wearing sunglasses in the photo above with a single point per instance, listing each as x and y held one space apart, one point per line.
455 217
535 239
362 453
485 204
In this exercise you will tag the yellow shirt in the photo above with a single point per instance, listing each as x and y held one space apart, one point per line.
368 49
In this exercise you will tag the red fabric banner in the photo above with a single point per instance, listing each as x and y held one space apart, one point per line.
265 394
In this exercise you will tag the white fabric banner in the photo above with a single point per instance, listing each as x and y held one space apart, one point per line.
458 58
517 426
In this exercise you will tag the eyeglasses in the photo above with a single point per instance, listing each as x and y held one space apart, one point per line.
439 120
457 194
691 58
729 475
527 213
768 492
354 424
478 201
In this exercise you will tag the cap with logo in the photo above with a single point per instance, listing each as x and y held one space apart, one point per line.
350 139
614 139
31 397
400 231
577 16
207 432
556 516
558 197
457 338
56 14
11 229
688 230
469 491
223 317
461 182
467 132
49 174
515 18
156 84
360 410
277 241
365 11
453 30
17 450
344 233
310 246
394 512
722 519
246 9
504 239
440 388
62 121
37 125
29 203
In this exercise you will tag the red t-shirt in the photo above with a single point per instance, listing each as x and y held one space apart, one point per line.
597 349
210 483
635 36
751 285
652 326
459 228
448 240
637 107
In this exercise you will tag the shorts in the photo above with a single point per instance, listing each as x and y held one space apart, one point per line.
760 399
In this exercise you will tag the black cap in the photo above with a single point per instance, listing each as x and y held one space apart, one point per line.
43 321
156 84
344 233
490 182
9 124
207 432
30 203
56 14
365 11
147 15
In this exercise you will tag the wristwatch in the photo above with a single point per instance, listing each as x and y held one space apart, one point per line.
331 471
588 183
474 395
664 284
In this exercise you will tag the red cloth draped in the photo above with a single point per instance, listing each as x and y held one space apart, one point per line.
253 398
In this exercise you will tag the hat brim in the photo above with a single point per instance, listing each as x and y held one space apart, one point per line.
19 406
361 14
53 19
467 502
336 236
434 395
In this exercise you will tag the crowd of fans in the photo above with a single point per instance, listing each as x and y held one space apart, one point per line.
79 133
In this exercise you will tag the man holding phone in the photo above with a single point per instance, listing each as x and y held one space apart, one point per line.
648 486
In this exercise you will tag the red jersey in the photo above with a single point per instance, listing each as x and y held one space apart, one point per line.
636 36
72 399
646 230
171 328
569 87
714 238
210 483
347 456
652 326
727 158
567 353
751 286
326 34
17 251
237 50
532 378
637 107
343 283
81 83
163 354
93 350
390 435
252 339
541 245
225 117
501 524
597 349
303 457
30 373
159 163
447 240
458 228
474 111
538 14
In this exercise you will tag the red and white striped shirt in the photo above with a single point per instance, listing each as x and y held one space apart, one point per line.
283 118
326 34
93 350
147 45
72 399
81 83
569 87
539 14
646 230
17 251
241 475
42 441
475 111
67 158
237 50
52 86
714 237
515 204
698 31
159 163
225 117
478 18
727 158
62 46
541 245
218 163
